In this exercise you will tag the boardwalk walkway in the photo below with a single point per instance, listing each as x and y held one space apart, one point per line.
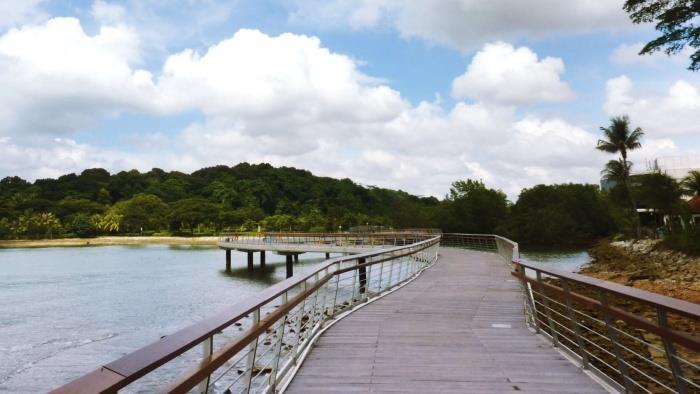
459 327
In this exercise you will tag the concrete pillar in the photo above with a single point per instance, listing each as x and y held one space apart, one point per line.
328 255
290 266
262 258
250 261
363 276
296 258
228 259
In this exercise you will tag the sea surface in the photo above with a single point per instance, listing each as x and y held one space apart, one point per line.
65 311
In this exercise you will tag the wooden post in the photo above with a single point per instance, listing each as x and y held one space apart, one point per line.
296 258
363 276
262 259
290 266
228 260
328 255
250 261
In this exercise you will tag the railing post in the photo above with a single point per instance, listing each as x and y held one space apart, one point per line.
362 273
207 349
391 272
574 323
529 298
337 287
671 352
297 326
612 335
322 313
250 362
545 301
381 272
272 382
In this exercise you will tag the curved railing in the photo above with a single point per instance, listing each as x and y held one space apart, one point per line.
634 340
256 344
332 239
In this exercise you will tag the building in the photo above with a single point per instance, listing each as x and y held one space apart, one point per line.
675 166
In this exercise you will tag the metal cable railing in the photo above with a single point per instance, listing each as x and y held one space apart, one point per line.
365 240
634 340
256 345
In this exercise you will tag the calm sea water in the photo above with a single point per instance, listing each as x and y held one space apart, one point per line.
564 259
65 311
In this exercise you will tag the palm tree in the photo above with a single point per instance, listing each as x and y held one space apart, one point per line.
691 183
620 139
617 171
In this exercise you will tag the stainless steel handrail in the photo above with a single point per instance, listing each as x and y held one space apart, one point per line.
634 340
254 345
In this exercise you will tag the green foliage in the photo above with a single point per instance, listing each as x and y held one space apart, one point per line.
567 214
38 225
686 241
691 183
191 213
473 208
143 212
83 225
677 21
660 192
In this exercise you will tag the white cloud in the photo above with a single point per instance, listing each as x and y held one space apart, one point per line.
108 13
466 24
281 99
14 12
502 74
628 54
253 78
57 79
675 112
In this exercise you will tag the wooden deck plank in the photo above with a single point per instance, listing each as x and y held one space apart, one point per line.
437 334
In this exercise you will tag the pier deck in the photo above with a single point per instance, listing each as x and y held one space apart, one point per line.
459 327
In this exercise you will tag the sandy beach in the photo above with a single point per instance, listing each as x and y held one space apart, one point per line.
40 243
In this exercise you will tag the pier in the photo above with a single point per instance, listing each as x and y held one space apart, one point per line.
430 313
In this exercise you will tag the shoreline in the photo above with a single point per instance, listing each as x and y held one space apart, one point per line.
640 265
109 240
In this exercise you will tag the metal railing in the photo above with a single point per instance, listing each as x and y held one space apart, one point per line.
256 345
369 240
634 340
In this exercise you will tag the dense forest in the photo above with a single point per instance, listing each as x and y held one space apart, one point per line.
248 197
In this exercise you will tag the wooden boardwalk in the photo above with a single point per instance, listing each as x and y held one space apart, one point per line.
459 327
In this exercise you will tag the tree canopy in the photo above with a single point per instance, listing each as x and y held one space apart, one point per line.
677 21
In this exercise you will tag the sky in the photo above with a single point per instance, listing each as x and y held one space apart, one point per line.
408 94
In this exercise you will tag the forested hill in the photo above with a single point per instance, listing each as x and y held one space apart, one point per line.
251 196
206 201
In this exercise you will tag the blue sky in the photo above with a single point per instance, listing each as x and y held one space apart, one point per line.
393 93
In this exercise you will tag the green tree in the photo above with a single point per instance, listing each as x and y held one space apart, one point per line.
677 21
110 222
143 211
620 139
39 225
567 214
691 183
472 207
193 212
659 192
83 225
7 229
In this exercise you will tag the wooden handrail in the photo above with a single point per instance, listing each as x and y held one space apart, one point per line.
681 307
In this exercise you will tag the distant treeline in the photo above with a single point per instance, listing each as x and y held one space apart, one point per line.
247 197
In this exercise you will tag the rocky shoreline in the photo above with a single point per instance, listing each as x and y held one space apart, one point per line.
643 265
